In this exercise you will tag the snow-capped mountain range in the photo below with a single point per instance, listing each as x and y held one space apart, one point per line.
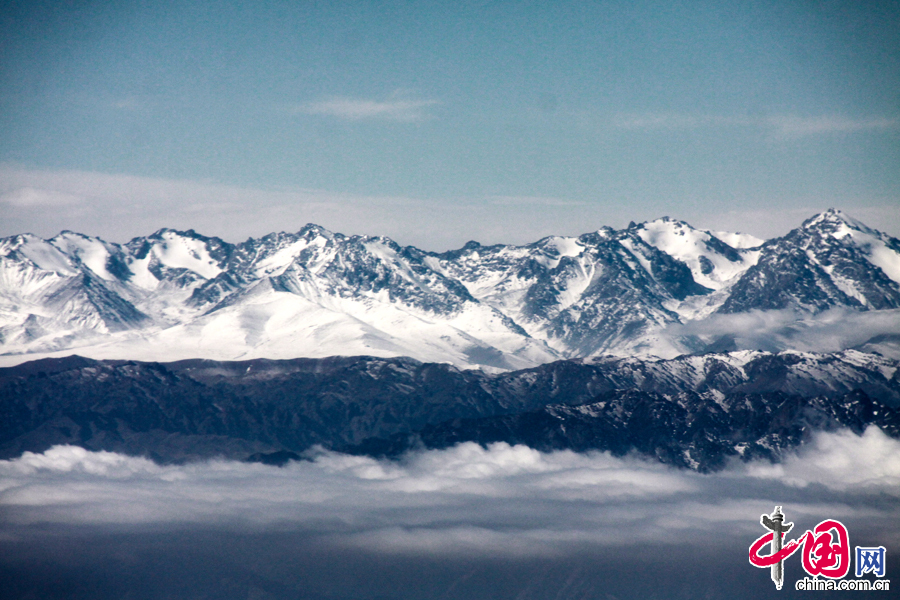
658 288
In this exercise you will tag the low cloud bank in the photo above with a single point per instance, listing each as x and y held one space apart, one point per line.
776 330
507 500
840 461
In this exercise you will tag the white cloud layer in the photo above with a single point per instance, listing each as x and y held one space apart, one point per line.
510 500
840 461
119 207
776 330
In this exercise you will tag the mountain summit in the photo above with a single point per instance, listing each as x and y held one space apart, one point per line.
655 288
830 261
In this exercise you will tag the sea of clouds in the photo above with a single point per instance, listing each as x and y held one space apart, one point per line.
499 499
465 523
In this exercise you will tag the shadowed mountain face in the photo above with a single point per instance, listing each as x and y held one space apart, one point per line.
690 430
694 411
180 295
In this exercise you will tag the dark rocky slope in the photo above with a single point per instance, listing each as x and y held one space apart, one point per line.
199 409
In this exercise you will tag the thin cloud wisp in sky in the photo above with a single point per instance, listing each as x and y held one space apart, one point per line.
674 121
793 126
29 197
357 109
783 126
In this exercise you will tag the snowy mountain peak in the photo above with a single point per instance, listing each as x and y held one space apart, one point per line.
558 246
184 250
833 233
311 230
27 248
831 260
834 222
713 263
95 254
168 232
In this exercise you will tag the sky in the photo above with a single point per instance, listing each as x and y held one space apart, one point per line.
439 122
469 522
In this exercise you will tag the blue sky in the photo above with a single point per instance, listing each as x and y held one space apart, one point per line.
439 122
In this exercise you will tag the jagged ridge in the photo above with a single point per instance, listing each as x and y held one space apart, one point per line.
316 293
